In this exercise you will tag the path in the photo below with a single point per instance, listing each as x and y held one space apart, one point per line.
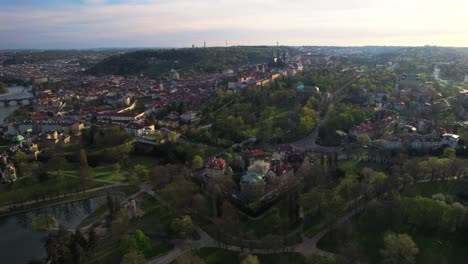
307 247
7 207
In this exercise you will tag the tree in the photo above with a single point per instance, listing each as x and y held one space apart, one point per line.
92 239
260 167
142 241
133 257
116 167
173 136
197 162
250 259
120 222
182 226
85 170
449 153
273 220
399 249
363 139
127 244
141 172
3 88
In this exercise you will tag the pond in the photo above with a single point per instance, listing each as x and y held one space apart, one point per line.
20 243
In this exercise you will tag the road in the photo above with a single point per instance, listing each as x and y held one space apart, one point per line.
308 143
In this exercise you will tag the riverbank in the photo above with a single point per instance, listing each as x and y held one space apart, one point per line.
83 196
13 92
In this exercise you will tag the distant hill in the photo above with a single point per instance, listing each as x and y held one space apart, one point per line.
153 63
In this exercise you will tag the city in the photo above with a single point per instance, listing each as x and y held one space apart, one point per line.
273 153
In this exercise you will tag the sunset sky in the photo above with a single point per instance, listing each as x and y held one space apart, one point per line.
181 23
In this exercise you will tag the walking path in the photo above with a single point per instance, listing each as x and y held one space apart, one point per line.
307 247
113 184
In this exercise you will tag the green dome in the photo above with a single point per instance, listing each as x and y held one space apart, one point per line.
18 139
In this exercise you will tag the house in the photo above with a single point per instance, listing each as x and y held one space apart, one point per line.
252 185
450 140
189 117
215 167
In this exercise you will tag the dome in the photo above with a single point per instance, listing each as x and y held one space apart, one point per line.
174 75
18 138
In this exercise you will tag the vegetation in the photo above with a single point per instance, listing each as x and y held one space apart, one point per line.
43 222
3 88
155 63
215 255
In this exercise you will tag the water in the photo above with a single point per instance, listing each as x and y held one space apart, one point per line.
13 91
20 243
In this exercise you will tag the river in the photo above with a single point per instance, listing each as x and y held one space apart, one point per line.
20 243
13 91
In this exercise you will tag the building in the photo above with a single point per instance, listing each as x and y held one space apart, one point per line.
215 167
252 185
450 140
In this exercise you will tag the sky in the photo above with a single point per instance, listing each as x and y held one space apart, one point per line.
66 24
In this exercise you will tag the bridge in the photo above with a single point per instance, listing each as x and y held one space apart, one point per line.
18 98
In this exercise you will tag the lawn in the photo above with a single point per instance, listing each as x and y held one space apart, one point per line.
216 256
30 188
106 171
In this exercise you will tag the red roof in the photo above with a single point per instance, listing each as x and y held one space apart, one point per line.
218 164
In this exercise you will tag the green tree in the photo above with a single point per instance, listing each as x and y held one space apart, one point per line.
127 244
173 136
363 139
250 259
3 88
182 226
133 257
141 172
399 249
143 242
116 167
197 162
449 153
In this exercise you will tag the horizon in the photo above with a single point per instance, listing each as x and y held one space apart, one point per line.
201 47
90 24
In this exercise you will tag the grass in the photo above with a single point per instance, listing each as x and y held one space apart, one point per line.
216 256
31 188
107 172
42 222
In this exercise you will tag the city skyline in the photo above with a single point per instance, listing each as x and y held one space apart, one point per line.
53 24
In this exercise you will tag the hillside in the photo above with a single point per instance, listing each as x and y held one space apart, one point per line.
153 63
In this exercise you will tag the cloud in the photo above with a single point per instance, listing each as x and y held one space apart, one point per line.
183 22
